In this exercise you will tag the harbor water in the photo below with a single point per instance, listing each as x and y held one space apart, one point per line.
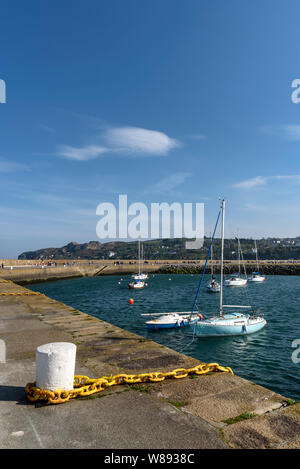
268 358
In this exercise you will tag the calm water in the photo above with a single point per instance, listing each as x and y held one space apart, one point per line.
264 357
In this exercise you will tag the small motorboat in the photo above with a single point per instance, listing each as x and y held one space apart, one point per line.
170 320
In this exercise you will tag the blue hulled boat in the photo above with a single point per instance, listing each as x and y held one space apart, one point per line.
231 323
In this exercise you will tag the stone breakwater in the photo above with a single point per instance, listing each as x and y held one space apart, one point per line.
26 272
230 268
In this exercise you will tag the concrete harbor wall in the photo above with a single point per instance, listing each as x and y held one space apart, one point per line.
31 271
218 410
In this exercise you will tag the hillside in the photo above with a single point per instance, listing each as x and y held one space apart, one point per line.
270 248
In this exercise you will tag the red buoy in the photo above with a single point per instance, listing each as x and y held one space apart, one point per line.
130 301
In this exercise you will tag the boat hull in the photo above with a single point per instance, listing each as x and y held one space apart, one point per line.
223 328
213 289
140 277
235 283
257 279
156 324
137 286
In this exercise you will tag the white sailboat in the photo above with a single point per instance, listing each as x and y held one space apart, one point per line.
236 280
140 275
138 282
136 285
231 323
256 276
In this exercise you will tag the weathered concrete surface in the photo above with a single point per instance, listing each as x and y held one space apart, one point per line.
181 414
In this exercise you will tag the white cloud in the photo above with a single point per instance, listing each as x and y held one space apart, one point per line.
170 182
130 141
10 166
286 131
293 177
263 180
86 153
292 132
198 136
138 140
253 182
45 128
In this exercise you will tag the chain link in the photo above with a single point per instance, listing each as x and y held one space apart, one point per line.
85 386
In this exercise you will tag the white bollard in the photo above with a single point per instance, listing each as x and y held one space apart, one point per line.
55 366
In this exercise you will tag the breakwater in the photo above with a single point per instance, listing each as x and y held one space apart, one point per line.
267 268
29 271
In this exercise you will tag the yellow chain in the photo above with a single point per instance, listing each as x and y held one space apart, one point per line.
84 386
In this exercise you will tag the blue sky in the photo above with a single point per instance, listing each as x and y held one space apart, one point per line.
165 101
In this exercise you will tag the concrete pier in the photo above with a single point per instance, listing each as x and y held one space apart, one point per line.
211 411
31 271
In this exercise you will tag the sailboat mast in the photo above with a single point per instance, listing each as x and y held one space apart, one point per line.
222 257
256 255
139 257
239 254
211 258
212 267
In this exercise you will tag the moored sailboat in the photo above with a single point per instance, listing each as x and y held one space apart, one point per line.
136 285
140 275
236 280
256 276
231 323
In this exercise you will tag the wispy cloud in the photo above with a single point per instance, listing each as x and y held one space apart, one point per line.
86 153
169 183
286 131
11 166
198 136
263 180
250 183
292 177
45 128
